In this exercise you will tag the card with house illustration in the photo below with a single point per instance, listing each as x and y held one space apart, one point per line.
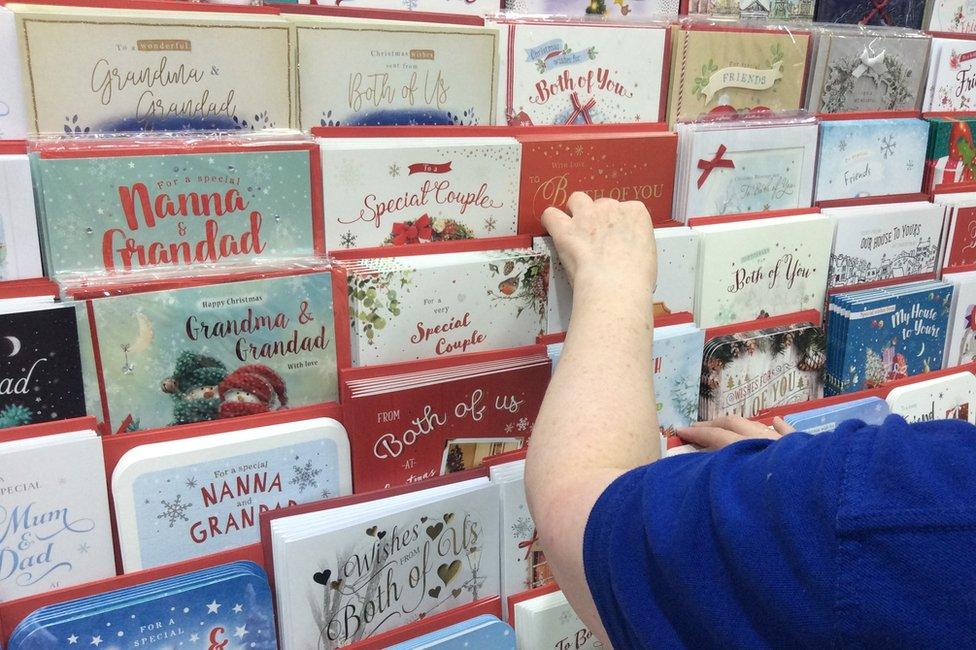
945 398
428 306
961 339
393 73
213 351
886 13
137 70
951 77
735 69
950 16
616 9
884 242
873 157
401 191
581 73
798 10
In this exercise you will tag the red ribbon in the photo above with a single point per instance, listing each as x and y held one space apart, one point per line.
581 109
708 165
429 168
529 543
876 10
413 233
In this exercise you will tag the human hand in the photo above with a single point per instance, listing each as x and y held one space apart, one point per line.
728 429
604 239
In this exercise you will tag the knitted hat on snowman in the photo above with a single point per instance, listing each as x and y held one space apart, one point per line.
194 371
253 384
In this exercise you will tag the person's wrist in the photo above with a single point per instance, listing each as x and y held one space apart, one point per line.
595 281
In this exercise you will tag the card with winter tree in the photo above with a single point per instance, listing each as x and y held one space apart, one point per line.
426 306
799 10
346 573
617 9
858 70
950 16
944 398
951 81
137 70
210 351
961 341
677 371
432 190
195 496
393 73
564 72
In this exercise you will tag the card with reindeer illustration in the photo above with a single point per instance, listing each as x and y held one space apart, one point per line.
346 573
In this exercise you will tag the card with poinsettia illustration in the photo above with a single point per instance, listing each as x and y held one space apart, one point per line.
950 16
429 190
728 69
435 305
951 77
246 345
422 552
960 214
945 398
562 72
751 268
961 339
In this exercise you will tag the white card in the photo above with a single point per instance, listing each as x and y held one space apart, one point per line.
20 253
560 290
951 78
549 621
13 110
961 340
945 398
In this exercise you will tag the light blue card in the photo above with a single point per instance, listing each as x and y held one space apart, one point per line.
870 410
484 632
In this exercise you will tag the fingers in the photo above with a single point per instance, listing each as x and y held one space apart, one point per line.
709 437
782 428
556 222
578 202
742 426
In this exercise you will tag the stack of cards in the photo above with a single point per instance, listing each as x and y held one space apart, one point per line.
426 306
873 157
961 342
345 573
950 16
891 13
560 306
548 621
950 155
873 243
744 166
800 10
485 632
945 398
879 335
185 498
960 214
677 371
758 368
399 191
950 85
227 606
20 255
630 9
870 410
476 7
56 526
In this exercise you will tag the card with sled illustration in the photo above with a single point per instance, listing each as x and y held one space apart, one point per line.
735 69
961 340
212 351
950 16
434 549
400 191
886 13
562 72
393 73
136 70
136 204
873 157
20 253
945 398
624 9
951 85
425 306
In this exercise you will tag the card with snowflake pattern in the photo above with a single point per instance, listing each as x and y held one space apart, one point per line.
401 191
950 16
133 70
393 73
779 10
616 9
561 72
951 79
945 398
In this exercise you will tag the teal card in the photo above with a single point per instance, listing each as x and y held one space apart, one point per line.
215 351
118 211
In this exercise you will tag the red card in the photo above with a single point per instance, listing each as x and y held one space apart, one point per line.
961 247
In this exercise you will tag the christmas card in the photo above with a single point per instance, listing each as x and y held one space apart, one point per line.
732 167
871 157
951 156
735 69
213 351
475 7
758 368
393 73
799 10
677 371
619 166
961 341
884 242
548 621
185 498
951 81
55 519
132 70
20 255
416 421
347 572
950 16
133 205
891 13
761 267
870 410
13 109
946 398
960 211
560 304
860 70
485 632
227 607
426 306
617 9
399 191
562 72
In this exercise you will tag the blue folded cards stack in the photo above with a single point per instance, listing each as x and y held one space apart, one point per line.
484 632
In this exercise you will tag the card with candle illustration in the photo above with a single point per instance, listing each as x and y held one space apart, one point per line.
132 70
561 72
870 158
950 16
20 253
426 306
887 13
944 398
799 10
961 341
53 514
213 351
735 69
624 9
868 70
951 79
431 190
749 269
120 207
393 73
346 573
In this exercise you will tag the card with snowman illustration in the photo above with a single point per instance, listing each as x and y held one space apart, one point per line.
950 16
404 308
429 190
945 398
565 72
210 351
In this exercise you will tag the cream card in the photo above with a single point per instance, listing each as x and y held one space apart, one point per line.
945 398
13 110
20 253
